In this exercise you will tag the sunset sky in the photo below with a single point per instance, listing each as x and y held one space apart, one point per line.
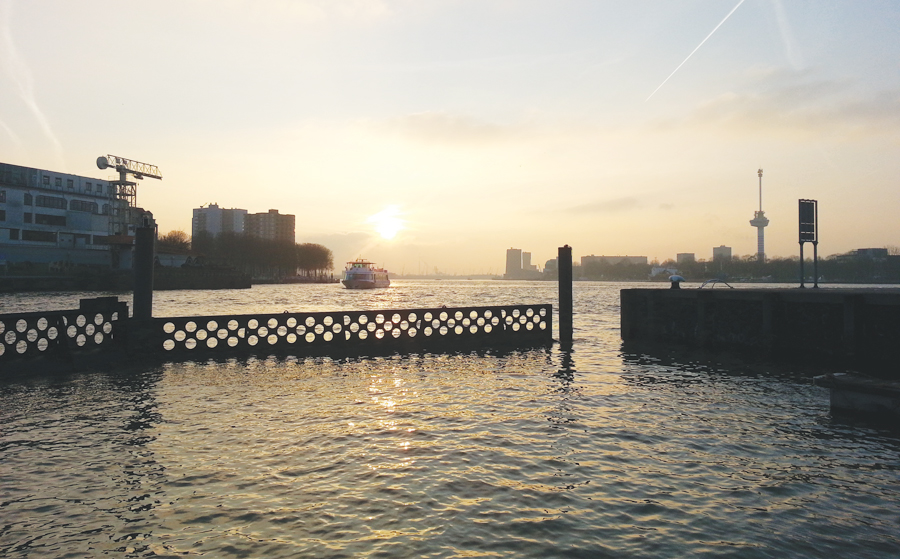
439 133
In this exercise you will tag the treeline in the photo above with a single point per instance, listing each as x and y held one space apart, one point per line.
254 256
834 268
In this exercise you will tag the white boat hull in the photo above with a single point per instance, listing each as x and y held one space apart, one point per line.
365 284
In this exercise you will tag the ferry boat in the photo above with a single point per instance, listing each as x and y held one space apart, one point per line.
362 274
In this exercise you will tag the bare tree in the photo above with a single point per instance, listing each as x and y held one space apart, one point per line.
176 240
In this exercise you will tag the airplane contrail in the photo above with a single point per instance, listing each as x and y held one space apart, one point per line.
695 50
20 74
11 134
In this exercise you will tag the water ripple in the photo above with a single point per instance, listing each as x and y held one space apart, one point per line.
597 453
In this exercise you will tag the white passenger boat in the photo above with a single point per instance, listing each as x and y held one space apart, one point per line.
362 274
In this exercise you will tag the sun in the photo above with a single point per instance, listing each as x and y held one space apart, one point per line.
386 222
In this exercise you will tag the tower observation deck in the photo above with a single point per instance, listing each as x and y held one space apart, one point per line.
760 221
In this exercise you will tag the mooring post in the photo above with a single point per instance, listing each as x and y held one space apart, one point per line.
143 272
564 267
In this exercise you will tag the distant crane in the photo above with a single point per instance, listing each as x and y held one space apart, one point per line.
760 221
126 190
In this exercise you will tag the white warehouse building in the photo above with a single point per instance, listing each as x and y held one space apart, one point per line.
62 219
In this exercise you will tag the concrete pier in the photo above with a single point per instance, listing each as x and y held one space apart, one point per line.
856 325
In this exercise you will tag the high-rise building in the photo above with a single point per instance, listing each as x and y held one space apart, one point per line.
514 262
270 225
215 220
526 262
683 257
721 252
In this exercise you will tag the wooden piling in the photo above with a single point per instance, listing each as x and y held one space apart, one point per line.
143 272
564 267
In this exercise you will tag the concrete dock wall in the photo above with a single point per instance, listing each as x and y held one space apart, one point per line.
856 324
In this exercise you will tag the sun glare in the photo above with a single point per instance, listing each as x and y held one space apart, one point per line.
387 223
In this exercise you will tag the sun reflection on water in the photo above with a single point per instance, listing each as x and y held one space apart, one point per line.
524 454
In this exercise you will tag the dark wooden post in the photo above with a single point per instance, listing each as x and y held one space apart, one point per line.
143 272
564 267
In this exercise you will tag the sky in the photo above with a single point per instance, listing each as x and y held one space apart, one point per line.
435 134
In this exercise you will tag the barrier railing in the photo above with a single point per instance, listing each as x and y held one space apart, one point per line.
380 330
96 325
102 325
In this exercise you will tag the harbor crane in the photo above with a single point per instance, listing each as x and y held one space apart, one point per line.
126 189
122 219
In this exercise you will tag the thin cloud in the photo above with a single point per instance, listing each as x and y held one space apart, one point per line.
616 205
19 73
443 127
307 11
12 135
787 36
810 108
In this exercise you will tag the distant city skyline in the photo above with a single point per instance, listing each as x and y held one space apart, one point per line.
445 132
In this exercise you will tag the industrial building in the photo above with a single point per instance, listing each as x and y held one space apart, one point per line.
62 220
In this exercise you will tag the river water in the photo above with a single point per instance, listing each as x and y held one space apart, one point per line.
597 453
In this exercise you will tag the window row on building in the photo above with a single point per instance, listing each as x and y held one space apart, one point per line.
55 237
58 203
27 177
270 225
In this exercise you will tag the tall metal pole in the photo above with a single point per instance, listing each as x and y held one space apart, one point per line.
815 264
816 251
564 266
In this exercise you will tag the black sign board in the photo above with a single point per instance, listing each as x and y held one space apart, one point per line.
809 230
809 233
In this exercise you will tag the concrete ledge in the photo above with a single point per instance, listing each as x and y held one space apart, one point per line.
859 325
